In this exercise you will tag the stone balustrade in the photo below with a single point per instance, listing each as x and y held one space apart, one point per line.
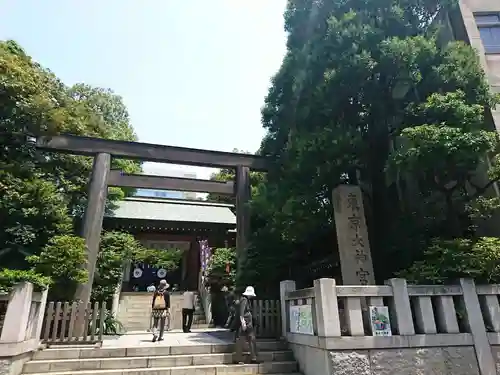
432 327
21 326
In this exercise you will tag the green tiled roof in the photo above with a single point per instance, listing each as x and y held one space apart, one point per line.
174 210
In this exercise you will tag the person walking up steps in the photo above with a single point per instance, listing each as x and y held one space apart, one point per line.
246 329
160 310
188 306
151 289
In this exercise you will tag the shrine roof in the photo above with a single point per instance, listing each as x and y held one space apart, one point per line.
157 209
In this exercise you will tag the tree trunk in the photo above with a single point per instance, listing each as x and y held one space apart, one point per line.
378 157
453 226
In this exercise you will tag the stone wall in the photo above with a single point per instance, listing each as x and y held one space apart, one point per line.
14 365
452 329
20 335
496 354
410 361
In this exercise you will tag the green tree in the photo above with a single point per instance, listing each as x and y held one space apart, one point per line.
366 89
228 174
40 192
109 114
33 211
446 156
33 208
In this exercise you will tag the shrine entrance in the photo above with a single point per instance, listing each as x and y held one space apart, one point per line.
102 177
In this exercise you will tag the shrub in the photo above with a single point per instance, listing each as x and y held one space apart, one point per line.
116 249
217 274
448 260
63 260
8 278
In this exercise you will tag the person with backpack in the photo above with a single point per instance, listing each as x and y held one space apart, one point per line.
151 289
160 310
246 327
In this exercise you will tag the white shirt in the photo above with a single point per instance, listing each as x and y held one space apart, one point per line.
151 288
188 300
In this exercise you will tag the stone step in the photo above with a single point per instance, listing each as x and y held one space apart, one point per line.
144 326
55 353
113 363
128 310
135 319
263 368
144 317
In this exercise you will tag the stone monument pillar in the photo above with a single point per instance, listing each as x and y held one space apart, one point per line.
352 236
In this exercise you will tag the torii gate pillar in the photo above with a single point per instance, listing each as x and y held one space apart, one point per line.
242 213
92 221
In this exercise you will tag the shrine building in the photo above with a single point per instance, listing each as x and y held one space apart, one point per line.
169 223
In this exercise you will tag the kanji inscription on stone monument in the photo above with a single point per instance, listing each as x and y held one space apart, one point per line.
352 236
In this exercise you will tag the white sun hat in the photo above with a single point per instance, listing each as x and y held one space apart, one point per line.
249 292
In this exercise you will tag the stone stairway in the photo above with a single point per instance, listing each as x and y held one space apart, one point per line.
202 359
199 320
134 311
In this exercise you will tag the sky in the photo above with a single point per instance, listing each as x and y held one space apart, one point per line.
192 73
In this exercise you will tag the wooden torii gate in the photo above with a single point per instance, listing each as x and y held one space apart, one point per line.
102 177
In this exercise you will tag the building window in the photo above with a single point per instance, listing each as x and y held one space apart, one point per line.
489 28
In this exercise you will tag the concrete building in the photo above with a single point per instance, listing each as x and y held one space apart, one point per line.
477 22
154 170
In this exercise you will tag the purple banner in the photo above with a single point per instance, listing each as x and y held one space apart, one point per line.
205 254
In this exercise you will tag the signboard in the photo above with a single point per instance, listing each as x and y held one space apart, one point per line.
301 320
379 321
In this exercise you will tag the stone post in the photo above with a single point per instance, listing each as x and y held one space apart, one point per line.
116 300
327 308
474 319
446 314
352 236
424 315
285 287
41 315
17 314
401 308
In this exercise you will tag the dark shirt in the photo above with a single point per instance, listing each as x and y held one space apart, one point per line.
162 294
245 311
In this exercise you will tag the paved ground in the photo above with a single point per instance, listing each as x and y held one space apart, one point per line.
172 338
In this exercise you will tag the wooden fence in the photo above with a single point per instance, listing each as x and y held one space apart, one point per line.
267 314
62 323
